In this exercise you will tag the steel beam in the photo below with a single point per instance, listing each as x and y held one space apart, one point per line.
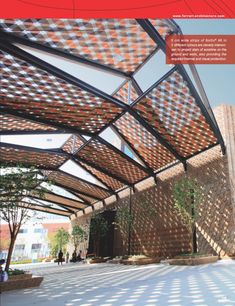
61 205
94 175
56 202
85 181
65 54
136 86
77 191
125 156
156 37
49 210
116 130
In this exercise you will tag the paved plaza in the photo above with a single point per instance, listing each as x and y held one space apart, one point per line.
118 285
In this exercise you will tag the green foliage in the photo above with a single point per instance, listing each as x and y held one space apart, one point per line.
16 183
20 262
15 272
124 220
146 209
98 227
187 196
59 241
78 235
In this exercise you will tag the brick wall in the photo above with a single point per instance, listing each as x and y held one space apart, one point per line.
162 232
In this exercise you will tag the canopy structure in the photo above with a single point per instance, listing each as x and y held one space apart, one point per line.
50 68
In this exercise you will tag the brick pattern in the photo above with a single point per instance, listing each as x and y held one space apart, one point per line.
76 184
101 155
164 234
119 43
123 93
171 109
12 123
153 153
34 92
42 159
72 145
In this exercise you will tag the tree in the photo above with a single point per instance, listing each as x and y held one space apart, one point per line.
98 229
78 236
15 185
61 238
124 221
187 196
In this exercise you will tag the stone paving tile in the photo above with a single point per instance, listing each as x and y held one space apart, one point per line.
118 285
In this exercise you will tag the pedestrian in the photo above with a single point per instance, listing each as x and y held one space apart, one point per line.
79 258
60 257
67 257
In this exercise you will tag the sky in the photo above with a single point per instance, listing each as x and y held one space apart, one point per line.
218 80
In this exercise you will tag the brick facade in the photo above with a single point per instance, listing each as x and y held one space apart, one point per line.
162 233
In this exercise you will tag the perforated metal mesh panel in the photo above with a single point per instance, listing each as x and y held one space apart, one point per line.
172 111
11 123
32 91
120 43
110 181
102 156
77 185
38 159
153 153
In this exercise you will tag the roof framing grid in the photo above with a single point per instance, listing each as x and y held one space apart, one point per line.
50 204
170 114
15 51
12 125
63 53
15 154
68 78
59 200
46 209
156 37
103 156
58 176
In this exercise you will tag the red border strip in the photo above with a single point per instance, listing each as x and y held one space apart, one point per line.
118 9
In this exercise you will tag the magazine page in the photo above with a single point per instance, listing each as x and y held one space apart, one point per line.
117 153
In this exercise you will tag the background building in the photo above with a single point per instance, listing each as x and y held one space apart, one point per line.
33 240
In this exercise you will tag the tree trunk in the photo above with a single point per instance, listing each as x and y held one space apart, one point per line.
10 251
98 248
194 239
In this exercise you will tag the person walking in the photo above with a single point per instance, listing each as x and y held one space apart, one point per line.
67 257
60 257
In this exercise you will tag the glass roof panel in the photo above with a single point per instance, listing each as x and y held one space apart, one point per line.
74 169
112 137
41 202
60 191
41 96
47 141
97 78
118 43
146 76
